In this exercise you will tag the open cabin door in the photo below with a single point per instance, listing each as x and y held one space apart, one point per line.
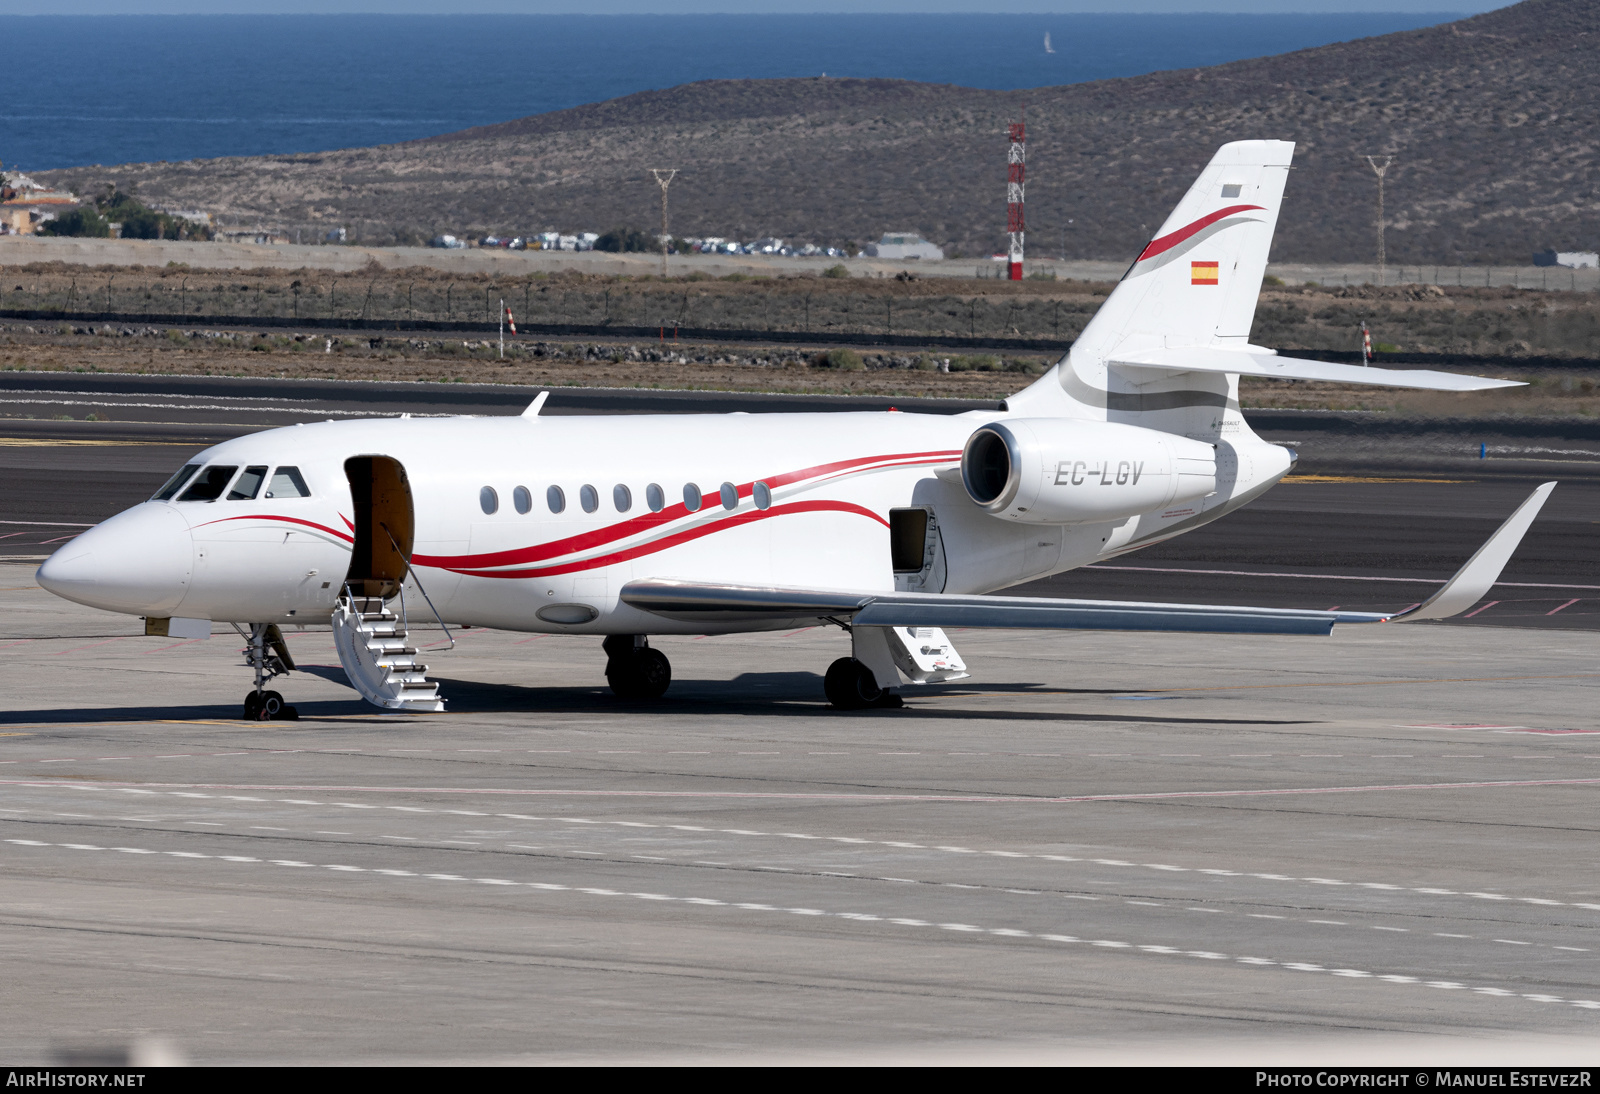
384 525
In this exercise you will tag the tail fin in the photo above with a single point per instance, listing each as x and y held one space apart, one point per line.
1194 285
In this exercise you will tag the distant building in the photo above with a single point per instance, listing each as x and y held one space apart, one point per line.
903 245
198 216
25 205
24 216
262 235
1573 260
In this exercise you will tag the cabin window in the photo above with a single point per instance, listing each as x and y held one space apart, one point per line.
589 498
175 483
1231 189
522 499
209 486
763 495
622 498
655 498
691 497
248 484
556 499
287 483
488 500
730 496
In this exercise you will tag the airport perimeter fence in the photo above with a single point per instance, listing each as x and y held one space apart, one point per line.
660 332
1002 321
1542 278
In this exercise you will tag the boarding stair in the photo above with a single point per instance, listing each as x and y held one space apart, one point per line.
371 636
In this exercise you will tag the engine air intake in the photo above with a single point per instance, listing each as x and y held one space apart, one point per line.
989 467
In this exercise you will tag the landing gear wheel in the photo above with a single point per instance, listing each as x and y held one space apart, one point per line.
850 685
641 673
268 706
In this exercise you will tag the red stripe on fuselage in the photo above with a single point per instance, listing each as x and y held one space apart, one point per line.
1172 239
682 536
287 520
601 537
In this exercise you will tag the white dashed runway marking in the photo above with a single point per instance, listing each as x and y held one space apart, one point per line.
969 929
1377 886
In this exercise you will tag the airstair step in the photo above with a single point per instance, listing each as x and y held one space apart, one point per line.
378 660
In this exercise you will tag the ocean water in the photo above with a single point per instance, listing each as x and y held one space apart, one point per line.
79 90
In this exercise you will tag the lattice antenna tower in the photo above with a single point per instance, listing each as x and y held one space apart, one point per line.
1016 186
1380 169
664 177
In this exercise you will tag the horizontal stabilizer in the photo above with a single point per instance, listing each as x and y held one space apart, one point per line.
713 604
1272 366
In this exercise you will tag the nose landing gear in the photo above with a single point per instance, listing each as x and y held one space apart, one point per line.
268 654
633 669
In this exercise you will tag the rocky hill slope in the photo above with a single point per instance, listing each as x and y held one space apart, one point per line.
1494 122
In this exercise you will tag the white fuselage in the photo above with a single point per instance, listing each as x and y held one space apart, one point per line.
794 500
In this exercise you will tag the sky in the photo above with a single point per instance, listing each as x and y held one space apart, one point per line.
752 7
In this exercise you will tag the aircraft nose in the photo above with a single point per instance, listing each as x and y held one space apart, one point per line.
138 562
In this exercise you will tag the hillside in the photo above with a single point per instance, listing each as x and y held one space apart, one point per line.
1495 121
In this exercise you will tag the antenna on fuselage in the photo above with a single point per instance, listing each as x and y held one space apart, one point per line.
535 406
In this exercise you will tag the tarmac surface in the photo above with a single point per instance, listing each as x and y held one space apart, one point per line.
1148 847
1163 841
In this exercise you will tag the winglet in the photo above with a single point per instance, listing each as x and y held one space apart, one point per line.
1482 570
535 406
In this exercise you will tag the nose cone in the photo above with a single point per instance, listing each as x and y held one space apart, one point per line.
137 562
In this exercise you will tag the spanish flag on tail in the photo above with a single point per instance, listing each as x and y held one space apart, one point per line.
1202 273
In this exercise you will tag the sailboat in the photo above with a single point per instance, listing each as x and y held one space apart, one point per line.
1047 47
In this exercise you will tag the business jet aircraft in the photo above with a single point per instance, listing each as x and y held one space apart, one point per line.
890 525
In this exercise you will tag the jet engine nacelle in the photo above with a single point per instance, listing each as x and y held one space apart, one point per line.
1063 471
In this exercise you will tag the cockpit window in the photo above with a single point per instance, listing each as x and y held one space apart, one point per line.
175 483
287 483
211 483
248 484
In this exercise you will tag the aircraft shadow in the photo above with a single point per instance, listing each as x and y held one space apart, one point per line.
773 694
786 694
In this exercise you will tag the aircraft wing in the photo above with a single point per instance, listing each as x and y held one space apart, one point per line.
716 604
1262 363
713 603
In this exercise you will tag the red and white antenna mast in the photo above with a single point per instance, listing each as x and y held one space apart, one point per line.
1016 178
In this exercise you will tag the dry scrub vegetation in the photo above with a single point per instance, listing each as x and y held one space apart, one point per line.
1546 338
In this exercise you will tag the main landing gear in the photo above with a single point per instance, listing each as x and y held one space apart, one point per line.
850 685
268 655
633 669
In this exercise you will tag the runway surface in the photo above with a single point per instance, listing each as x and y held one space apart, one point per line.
1377 515
1158 841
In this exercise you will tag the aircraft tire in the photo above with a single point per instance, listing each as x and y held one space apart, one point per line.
850 685
643 673
252 707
